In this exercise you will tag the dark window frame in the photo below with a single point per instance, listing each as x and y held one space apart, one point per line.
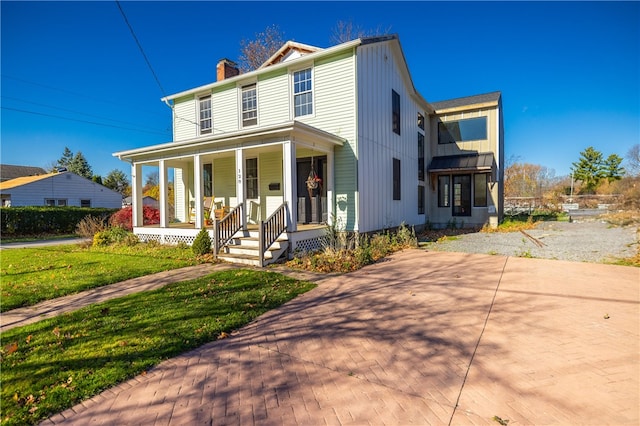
421 199
421 157
480 196
461 197
451 132
395 112
86 203
420 121
397 184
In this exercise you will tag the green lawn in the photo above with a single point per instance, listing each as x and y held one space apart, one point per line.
31 275
53 364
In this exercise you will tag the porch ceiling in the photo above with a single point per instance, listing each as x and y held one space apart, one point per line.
294 131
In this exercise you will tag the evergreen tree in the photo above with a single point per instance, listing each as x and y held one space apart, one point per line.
80 166
589 169
612 168
118 181
66 159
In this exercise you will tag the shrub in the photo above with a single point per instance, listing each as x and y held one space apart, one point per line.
90 226
114 235
122 218
38 220
202 244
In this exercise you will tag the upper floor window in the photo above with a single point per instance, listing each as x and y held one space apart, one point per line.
395 114
420 121
249 106
302 93
420 156
205 115
469 129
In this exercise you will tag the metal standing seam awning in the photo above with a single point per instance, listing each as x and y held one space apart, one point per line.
476 162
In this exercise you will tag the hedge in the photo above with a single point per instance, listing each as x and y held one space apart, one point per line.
23 221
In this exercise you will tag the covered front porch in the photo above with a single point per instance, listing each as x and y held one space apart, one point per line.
246 178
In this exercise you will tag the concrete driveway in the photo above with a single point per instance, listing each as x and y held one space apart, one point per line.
422 338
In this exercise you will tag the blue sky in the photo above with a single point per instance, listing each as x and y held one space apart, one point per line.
72 74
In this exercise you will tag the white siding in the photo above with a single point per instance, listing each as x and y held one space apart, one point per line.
273 99
185 120
335 112
224 109
66 186
378 74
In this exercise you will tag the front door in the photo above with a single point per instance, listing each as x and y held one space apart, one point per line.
461 195
312 193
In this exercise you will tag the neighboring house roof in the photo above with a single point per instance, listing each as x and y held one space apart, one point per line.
13 183
486 98
475 161
8 171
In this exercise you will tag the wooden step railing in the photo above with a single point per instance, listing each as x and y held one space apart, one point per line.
225 228
271 229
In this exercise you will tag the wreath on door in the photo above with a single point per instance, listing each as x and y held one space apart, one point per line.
313 180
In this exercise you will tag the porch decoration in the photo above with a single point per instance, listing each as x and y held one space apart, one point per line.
313 180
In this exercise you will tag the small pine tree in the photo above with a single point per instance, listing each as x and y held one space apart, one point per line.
202 243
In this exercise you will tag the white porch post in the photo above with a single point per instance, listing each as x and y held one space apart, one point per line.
198 189
330 190
162 177
290 186
240 195
136 195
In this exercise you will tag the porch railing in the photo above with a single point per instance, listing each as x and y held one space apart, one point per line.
271 229
225 228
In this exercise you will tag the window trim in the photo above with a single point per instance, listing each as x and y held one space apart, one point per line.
85 201
396 115
208 130
444 191
311 91
252 121
256 178
462 212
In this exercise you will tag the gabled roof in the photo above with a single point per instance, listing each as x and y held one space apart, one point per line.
13 183
487 99
8 171
287 49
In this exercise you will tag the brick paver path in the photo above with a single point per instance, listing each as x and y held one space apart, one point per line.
422 338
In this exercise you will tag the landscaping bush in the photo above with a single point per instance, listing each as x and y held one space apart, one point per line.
202 244
114 235
39 220
90 226
122 218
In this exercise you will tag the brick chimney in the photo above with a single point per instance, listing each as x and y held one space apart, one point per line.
226 68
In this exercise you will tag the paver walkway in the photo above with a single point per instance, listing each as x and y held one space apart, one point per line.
422 338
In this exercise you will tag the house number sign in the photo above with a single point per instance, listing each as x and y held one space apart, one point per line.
239 175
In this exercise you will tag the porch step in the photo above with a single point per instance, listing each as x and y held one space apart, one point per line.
245 251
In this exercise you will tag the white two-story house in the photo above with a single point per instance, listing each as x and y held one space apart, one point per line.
315 136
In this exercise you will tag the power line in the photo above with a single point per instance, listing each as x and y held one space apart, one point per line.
141 49
76 112
82 95
79 121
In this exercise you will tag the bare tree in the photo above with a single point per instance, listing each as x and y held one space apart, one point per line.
254 53
346 31
633 160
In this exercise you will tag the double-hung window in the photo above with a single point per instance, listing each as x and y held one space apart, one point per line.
206 124
249 106
302 93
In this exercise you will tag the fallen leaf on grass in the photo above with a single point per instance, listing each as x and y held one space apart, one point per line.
11 348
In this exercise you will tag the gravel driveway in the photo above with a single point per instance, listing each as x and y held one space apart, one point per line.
588 241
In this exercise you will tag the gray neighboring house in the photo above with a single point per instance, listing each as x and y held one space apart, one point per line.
9 171
57 189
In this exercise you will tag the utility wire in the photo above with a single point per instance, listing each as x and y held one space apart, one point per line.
71 93
80 121
77 112
141 49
